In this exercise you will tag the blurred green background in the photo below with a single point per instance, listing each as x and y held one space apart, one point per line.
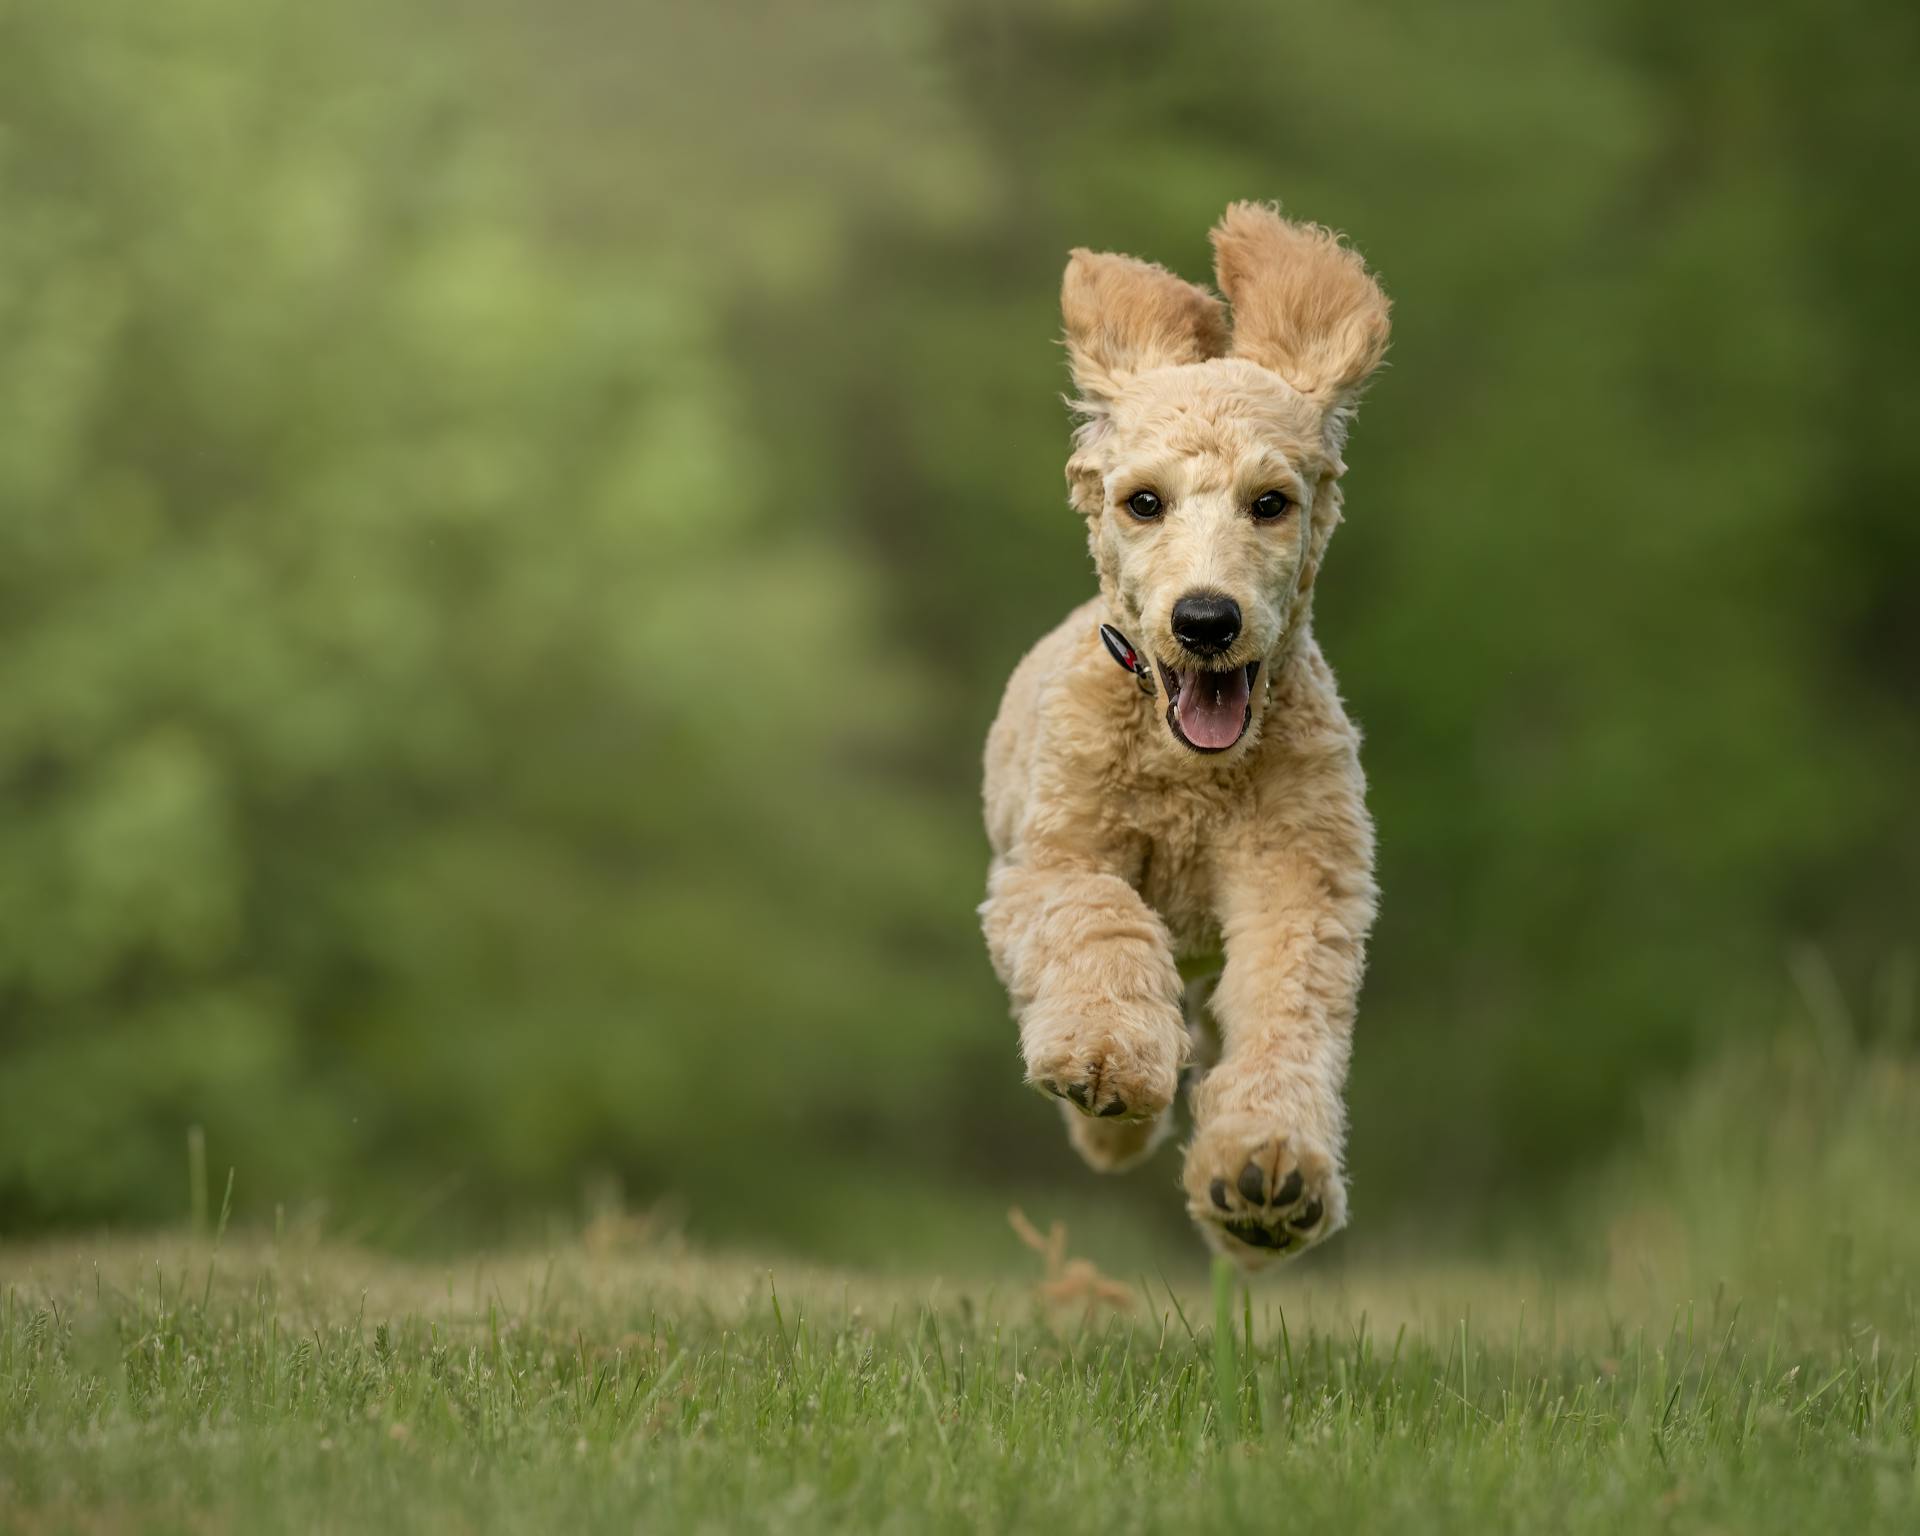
514 517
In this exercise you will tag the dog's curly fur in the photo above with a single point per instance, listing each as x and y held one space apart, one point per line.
1121 854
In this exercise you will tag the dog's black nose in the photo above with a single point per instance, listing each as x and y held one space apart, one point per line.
1206 623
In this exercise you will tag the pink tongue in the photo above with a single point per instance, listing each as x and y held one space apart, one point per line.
1213 707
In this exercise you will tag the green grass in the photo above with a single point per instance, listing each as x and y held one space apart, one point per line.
1633 1383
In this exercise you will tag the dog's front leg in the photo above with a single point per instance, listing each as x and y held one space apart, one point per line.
1090 971
1263 1171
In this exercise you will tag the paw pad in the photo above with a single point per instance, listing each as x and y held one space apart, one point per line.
1110 1060
1082 1096
1274 1201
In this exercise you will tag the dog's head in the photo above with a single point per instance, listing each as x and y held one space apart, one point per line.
1207 456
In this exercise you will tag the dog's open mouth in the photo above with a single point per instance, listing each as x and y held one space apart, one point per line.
1209 711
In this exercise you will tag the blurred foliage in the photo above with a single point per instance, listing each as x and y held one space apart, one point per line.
1820 1123
514 518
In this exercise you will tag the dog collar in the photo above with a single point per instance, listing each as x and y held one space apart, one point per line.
1120 648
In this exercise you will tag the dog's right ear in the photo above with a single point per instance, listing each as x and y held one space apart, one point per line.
1124 317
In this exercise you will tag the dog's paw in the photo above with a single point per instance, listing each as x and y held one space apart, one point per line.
1114 1145
1258 1193
1126 1067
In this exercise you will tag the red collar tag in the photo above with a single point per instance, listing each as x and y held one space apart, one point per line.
1120 648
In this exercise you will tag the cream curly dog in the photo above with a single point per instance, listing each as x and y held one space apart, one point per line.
1213 801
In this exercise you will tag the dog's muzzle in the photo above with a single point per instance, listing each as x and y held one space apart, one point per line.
1208 709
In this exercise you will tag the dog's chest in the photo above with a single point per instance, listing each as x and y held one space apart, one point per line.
1172 869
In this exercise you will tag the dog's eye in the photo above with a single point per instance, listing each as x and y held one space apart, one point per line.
1144 505
1270 505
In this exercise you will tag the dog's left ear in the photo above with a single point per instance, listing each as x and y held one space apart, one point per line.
1304 305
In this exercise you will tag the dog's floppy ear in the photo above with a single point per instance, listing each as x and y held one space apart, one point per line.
1304 305
1124 317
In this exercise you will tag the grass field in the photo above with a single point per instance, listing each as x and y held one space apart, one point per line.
1735 1350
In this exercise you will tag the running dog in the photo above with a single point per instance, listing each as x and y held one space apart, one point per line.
1197 807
